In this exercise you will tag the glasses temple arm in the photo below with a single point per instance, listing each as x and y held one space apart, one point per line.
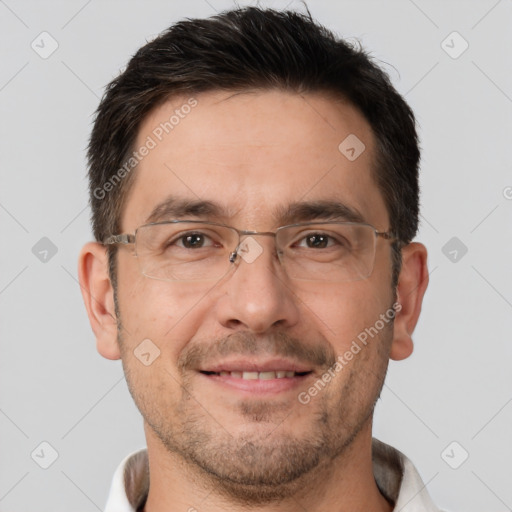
119 239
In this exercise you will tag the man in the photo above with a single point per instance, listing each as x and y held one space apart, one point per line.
254 193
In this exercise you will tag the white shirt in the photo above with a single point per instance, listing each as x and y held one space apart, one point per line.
395 475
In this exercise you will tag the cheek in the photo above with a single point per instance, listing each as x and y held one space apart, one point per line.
167 313
342 311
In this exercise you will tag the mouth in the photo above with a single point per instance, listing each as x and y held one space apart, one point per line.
255 377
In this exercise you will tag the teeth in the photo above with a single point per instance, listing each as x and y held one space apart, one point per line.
279 374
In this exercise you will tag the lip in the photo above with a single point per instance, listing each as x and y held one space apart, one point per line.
257 386
254 365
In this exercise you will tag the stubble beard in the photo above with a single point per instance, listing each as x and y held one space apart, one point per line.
265 464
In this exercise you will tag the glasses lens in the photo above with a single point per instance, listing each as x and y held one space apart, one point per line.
327 252
184 251
196 251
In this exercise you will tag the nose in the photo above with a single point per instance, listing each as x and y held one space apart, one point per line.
258 295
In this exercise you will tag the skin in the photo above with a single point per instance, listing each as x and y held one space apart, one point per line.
210 446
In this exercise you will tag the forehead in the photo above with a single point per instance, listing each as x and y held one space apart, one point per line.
253 154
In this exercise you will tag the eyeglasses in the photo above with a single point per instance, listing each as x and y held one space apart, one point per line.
189 250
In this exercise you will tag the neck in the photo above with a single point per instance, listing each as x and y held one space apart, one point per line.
344 483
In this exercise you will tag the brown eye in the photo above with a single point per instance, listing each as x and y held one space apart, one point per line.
191 241
317 241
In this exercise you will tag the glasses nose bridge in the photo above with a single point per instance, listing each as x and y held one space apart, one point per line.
248 233
245 233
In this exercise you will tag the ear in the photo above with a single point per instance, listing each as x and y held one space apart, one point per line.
412 284
98 295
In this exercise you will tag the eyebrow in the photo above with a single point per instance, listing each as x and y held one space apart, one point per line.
306 211
176 208
302 211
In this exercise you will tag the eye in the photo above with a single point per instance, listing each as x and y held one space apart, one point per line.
319 241
192 240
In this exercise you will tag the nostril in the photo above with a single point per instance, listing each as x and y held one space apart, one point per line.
233 323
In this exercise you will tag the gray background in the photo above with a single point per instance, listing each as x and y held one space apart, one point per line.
457 386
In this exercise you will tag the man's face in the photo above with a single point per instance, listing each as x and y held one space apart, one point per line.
255 154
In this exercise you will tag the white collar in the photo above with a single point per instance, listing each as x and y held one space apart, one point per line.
394 473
